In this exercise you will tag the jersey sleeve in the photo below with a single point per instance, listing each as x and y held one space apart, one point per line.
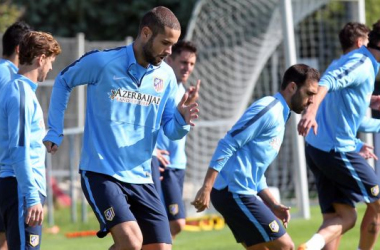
369 125
351 73
174 125
248 127
20 113
78 73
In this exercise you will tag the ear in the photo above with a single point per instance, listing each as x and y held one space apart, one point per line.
41 59
292 87
17 49
146 33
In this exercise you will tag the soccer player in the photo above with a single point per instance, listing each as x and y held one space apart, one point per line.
171 154
8 67
22 153
236 177
131 92
335 155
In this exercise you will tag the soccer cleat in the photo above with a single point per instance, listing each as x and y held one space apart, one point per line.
302 247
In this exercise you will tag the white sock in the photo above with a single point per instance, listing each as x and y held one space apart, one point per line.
317 242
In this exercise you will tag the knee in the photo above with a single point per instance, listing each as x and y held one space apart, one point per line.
285 243
128 246
176 226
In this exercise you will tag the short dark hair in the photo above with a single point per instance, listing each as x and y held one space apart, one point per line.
374 35
351 32
299 73
35 44
183 46
158 18
13 36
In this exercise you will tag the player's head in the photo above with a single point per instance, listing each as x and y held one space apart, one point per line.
182 59
353 36
374 36
13 36
299 86
39 48
159 30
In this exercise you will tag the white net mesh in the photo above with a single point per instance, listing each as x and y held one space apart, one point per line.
241 59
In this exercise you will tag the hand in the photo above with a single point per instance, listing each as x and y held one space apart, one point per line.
375 102
188 112
366 152
51 147
161 158
282 212
202 199
35 215
306 122
193 93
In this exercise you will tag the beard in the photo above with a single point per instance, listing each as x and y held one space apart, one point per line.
296 103
149 54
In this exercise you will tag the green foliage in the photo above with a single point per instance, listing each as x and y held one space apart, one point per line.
372 9
9 13
97 19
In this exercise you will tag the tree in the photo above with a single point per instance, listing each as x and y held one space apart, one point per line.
97 19
9 13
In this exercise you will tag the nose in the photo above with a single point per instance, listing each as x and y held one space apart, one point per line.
168 50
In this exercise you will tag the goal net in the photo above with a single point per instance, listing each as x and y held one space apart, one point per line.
240 59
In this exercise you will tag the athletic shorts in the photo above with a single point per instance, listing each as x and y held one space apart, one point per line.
172 189
156 174
2 227
13 210
344 178
249 219
115 202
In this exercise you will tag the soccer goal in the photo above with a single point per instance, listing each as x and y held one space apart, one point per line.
242 58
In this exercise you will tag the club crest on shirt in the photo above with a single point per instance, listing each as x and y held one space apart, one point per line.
109 213
41 124
34 240
375 190
275 143
158 84
173 209
274 226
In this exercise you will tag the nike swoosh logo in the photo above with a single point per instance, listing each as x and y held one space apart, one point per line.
118 77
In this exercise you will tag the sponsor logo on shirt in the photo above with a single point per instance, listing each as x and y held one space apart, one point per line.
133 97
158 84
109 213
274 226
375 190
173 209
275 143
34 240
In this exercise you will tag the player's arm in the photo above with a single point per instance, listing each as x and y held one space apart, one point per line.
369 125
202 198
176 119
281 211
78 73
19 130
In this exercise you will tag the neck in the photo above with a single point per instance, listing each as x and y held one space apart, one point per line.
29 71
375 53
138 50
13 58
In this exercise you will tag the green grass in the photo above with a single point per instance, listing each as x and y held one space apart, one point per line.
299 229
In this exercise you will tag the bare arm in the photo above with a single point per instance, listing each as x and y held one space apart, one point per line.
281 211
202 199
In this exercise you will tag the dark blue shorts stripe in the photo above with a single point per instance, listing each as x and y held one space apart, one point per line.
21 140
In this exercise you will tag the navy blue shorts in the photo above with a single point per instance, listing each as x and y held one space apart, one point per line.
344 178
13 210
156 174
2 227
172 189
115 202
249 219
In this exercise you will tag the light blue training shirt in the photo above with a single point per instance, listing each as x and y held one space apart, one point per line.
22 128
176 149
126 105
350 83
244 154
7 70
